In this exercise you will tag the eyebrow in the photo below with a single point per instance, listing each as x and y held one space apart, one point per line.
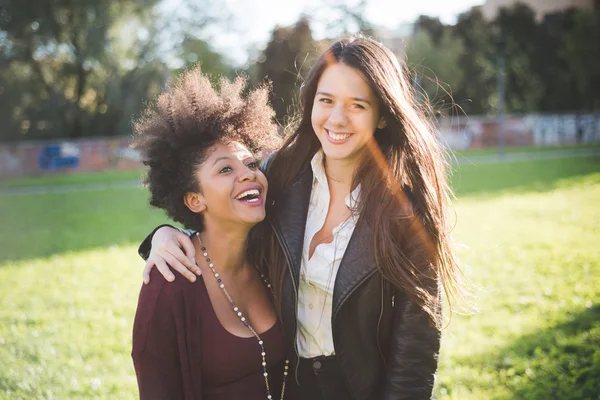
221 158
362 100
229 158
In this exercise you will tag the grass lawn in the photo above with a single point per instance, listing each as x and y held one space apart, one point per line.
522 149
74 178
70 276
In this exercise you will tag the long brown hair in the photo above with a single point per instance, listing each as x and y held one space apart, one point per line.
403 177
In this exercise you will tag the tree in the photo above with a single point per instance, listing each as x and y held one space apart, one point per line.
349 19
477 87
435 67
51 50
287 57
433 26
582 53
84 68
524 87
194 50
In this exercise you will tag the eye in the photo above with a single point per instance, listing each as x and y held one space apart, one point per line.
225 169
359 106
325 100
253 164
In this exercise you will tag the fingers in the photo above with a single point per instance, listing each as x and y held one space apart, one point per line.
174 250
163 268
174 263
147 269
188 247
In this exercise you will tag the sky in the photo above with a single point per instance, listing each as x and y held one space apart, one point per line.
254 20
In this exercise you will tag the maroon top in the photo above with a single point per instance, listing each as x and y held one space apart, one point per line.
181 350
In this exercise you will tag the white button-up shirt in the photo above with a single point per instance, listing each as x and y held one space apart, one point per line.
317 275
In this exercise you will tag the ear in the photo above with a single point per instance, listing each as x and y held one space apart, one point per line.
195 202
381 124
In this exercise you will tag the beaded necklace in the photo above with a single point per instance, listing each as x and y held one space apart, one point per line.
246 322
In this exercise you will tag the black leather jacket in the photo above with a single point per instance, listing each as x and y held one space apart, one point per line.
386 344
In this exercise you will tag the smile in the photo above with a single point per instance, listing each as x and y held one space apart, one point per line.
337 137
250 197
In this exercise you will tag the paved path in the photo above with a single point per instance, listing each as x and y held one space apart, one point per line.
458 160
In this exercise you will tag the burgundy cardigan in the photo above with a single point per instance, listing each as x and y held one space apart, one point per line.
176 334
168 363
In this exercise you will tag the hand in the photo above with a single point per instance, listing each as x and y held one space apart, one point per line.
168 247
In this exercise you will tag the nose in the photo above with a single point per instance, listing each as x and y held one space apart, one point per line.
247 174
338 115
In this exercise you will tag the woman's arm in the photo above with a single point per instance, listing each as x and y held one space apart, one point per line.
167 246
159 343
415 339
412 365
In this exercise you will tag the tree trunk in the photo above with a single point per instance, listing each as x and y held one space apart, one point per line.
77 129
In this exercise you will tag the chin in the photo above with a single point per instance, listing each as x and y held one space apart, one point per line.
336 154
254 218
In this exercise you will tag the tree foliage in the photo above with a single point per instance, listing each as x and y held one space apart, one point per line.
552 65
286 59
82 68
435 66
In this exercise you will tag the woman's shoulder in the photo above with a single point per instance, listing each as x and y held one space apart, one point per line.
172 293
163 308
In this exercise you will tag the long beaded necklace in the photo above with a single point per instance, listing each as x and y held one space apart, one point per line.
247 323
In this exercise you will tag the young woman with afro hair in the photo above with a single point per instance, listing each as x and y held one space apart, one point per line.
217 337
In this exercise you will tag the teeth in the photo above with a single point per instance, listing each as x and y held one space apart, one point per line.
337 136
247 193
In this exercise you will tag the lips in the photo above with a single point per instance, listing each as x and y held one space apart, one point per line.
250 195
337 137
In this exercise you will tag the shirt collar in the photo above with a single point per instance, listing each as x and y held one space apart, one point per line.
319 177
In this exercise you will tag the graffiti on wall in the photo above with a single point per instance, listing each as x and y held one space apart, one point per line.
59 156
561 129
532 129
10 163
84 155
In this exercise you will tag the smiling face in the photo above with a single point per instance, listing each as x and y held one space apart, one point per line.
232 188
345 113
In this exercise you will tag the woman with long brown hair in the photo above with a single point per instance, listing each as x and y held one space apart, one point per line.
357 240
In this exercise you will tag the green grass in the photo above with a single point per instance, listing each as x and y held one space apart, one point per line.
54 223
536 258
521 149
522 177
70 179
70 276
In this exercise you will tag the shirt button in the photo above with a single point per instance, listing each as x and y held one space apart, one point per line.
310 306
317 365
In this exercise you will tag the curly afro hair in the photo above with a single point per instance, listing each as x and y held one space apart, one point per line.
174 135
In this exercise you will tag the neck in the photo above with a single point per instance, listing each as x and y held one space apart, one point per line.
226 247
339 174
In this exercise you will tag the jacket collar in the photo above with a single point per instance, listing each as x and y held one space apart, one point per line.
356 266
289 214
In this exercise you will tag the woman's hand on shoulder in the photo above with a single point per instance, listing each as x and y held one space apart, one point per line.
172 248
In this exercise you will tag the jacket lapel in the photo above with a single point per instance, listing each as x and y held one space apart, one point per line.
357 265
289 213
